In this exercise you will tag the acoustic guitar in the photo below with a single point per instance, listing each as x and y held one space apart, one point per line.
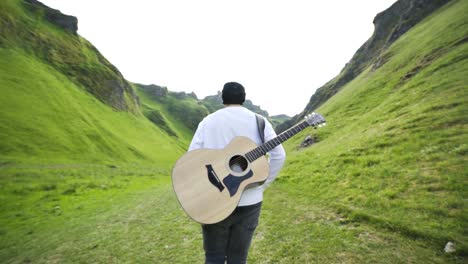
209 182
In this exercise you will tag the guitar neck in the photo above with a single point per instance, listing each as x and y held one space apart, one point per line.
271 144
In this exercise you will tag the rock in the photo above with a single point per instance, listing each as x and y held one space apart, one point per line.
450 247
68 23
307 141
113 91
180 95
154 90
193 95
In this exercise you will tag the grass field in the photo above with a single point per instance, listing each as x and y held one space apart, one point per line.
129 214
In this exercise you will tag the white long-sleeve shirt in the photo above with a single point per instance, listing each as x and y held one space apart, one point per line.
216 130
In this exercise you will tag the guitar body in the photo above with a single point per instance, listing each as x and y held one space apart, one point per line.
209 182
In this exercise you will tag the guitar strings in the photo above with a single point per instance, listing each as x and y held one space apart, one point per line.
241 158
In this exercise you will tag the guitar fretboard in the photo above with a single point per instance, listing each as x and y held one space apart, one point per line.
271 144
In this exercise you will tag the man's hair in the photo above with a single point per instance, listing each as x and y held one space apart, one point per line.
233 93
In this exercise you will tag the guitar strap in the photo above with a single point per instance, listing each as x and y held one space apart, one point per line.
261 127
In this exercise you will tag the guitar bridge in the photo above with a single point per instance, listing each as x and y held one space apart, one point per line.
213 178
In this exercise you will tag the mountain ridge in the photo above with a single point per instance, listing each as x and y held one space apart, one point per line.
189 109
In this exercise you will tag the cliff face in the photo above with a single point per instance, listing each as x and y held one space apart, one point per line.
389 26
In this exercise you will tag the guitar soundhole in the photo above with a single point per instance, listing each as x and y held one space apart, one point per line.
238 163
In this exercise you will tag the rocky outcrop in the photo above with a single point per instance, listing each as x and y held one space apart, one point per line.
68 23
154 90
308 141
389 26
158 92
213 102
117 88
182 95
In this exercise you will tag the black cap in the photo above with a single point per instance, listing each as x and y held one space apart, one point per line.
233 93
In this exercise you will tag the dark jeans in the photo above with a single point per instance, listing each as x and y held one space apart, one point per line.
229 240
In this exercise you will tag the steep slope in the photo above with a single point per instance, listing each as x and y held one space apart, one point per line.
51 37
45 118
177 113
59 97
394 153
389 26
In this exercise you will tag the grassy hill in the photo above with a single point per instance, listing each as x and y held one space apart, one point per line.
394 153
55 105
51 37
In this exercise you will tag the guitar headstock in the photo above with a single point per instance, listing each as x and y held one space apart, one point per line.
315 120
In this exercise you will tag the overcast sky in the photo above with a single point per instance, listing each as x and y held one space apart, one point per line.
281 51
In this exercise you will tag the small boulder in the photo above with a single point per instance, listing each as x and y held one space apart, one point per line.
309 140
450 247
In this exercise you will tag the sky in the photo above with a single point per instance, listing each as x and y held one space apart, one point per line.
280 51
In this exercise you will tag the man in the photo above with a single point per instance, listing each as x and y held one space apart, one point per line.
229 240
